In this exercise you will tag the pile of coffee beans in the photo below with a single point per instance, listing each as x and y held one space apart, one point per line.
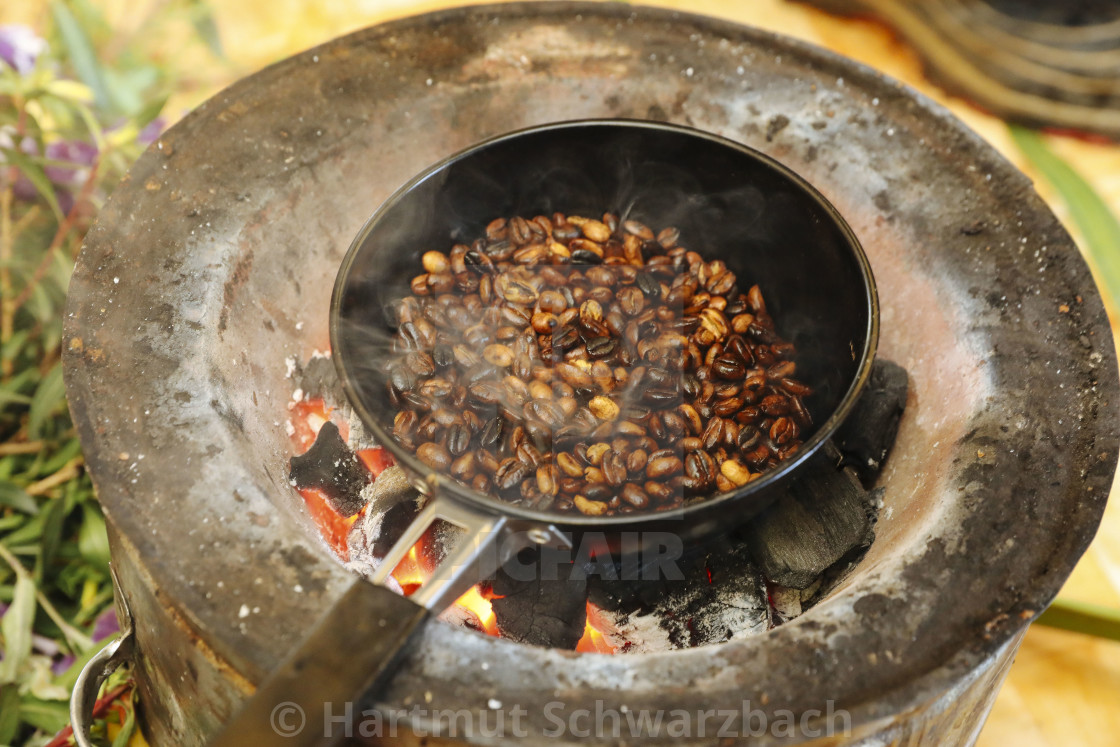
572 364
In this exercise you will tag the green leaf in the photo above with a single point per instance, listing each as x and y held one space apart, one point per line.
50 716
128 728
1097 223
93 540
202 16
12 398
16 626
50 393
38 178
81 53
9 713
58 460
14 496
150 111
127 87
50 536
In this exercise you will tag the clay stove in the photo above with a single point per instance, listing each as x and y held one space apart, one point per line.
228 232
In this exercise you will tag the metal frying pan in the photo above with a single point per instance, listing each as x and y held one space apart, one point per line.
730 202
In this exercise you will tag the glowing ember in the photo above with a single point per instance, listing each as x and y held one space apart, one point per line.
307 418
593 641
480 605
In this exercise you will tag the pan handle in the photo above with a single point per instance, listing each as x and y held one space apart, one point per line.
486 543
357 643
315 693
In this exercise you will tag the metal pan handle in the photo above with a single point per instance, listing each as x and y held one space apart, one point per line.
357 643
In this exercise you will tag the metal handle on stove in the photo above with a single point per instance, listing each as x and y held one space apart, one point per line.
356 645
84 697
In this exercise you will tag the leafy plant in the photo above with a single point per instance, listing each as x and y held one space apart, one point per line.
77 106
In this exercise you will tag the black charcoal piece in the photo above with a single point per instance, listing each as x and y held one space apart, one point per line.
331 467
867 435
722 595
825 515
319 378
543 612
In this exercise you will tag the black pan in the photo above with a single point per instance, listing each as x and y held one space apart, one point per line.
730 202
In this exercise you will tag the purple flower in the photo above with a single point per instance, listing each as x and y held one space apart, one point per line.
60 665
79 154
20 47
151 131
105 625
23 188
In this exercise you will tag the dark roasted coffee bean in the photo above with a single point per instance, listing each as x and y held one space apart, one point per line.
649 286
700 466
774 404
634 496
511 472
458 439
729 367
601 347
614 468
713 433
491 433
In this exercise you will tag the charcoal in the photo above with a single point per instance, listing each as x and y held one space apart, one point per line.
825 515
543 612
722 596
636 589
319 378
867 435
331 467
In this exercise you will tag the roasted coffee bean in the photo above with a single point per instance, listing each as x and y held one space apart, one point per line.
402 378
614 468
735 472
728 367
700 466
458 439
601 347
465 467
634 496
663 466
589 507
581 349
510 473
713 433
649 286
546 480
491 433
774 404
434 455
660 492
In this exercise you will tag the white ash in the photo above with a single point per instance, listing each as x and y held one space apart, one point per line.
390 488
641 634
786 602
359 438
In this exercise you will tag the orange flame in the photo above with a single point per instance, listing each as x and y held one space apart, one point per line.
593 641
307 417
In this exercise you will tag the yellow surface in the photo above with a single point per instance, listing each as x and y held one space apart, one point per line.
1064 689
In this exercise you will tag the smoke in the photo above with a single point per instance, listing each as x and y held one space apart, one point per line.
727 204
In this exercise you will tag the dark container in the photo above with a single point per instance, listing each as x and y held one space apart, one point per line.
729 201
